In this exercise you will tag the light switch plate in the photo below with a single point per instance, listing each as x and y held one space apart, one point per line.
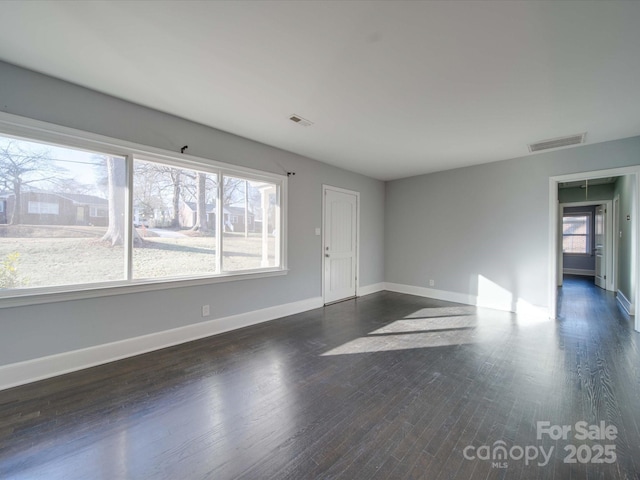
318 232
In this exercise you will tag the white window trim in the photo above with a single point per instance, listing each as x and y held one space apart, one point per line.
35 130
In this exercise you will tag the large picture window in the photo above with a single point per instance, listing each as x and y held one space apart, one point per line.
76 219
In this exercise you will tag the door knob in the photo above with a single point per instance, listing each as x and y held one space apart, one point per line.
326 255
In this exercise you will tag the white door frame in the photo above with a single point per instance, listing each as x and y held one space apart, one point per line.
614 241
553 230
608 238
324 196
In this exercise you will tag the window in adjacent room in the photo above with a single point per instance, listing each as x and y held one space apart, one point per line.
575 233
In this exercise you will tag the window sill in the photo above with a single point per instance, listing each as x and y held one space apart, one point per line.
37 296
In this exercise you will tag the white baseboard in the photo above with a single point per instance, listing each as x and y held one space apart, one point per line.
625 303
369 289
579 271
521 307
28 371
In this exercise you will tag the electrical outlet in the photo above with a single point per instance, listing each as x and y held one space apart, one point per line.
205 310
432 283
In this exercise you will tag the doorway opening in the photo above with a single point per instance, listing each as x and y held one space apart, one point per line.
587 239
594 234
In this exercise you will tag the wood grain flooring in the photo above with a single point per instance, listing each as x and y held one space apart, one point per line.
388 386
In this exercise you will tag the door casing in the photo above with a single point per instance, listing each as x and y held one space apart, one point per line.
604 252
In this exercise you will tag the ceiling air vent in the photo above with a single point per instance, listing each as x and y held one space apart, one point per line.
300 121
558 142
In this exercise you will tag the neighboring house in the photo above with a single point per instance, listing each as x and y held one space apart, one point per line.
233 217
188 213
39 207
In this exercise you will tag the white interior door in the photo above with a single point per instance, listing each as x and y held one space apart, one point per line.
340 244
600 235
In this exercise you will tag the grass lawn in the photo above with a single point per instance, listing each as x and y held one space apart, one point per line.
48 258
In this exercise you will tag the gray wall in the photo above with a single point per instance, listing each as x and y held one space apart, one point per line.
34 331
624 188
583 262
489 220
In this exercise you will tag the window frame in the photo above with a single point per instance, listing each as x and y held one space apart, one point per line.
34 130
33 203
588 235
97 210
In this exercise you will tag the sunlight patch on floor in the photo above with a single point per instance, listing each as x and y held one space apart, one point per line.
492 295
443 326
428 324
408 341
443 312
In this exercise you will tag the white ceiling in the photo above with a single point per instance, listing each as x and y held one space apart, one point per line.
394 88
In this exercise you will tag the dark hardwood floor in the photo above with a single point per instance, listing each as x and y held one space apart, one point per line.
386 386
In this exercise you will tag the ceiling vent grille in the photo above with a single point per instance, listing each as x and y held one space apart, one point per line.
300 121
557 142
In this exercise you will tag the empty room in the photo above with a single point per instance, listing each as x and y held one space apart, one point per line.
319 239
